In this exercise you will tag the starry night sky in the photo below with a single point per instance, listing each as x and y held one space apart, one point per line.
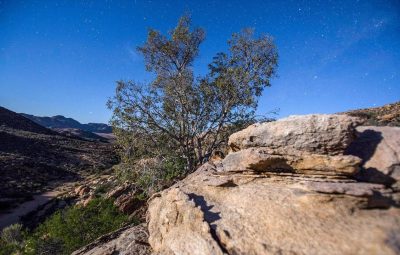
63 57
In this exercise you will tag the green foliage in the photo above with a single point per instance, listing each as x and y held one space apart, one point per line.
11 239
152 174
181 116
12 234
70 229
7 249
102 189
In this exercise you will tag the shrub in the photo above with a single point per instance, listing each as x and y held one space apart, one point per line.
74 227
12 234
7 249
11 239
152 174
102 189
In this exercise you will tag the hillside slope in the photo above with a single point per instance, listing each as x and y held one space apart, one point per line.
387 115
33 157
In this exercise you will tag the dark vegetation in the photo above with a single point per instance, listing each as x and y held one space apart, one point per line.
168 127
65 231
32 157
82 134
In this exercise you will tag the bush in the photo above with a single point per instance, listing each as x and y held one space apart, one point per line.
12 234
152 174
72 228
7 249
11 239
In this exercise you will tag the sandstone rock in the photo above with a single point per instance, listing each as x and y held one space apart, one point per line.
318 133
128 203
125 241
287 188
77 190
82 190
263 159
126 198
379 148
118 191
273 215
180 227
87 200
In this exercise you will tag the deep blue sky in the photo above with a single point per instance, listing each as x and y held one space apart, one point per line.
63 57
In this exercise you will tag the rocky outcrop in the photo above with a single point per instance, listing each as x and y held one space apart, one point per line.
319 134
127 198
293 186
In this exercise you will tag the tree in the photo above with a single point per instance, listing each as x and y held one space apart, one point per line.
180 115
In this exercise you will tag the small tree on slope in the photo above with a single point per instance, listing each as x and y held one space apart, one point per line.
182 115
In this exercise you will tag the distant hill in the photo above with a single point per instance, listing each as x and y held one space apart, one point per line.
33 157
12 120
60 121
79 133
387 115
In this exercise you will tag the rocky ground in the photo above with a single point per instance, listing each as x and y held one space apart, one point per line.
313 184
387 115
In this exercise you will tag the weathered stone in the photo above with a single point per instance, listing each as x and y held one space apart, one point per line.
118 191
82 190
128 203
87 200
286 189
264 159
180 227
275 215
318 133
379 148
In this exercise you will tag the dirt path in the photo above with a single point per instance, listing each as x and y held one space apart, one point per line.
14 215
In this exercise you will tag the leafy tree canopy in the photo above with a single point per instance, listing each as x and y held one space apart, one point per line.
180 114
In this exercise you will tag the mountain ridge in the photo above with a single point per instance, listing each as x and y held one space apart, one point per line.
60 121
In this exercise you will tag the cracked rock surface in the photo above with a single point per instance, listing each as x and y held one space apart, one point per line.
287 187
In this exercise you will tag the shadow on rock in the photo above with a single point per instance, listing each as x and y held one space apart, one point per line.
365 147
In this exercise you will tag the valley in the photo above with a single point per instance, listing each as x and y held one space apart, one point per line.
33 158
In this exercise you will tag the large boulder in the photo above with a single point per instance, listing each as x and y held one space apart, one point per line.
255 214
287 187
315 133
